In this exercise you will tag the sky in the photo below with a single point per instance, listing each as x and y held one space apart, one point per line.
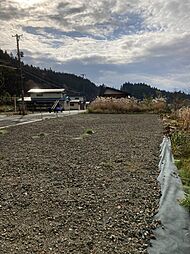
110 41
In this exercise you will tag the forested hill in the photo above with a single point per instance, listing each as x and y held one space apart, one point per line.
41 78
34 77
142 90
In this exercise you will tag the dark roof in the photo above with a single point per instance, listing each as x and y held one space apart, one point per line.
103 90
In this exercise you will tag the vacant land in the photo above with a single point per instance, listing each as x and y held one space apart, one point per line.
65 191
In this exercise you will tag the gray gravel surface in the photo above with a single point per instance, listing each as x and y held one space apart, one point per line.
63 191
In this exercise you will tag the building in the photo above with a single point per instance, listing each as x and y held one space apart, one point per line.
46 95
52 100
112 92
77 103
45 99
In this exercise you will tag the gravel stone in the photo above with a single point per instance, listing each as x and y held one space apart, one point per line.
64 191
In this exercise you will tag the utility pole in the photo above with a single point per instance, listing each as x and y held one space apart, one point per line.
83 75
20 54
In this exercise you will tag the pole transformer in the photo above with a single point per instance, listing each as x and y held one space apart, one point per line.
20 54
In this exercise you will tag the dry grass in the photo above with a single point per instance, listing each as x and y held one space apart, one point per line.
126 105
6 108
183 115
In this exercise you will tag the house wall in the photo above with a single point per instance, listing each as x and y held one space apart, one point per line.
66 105
41 96
74 105
80 98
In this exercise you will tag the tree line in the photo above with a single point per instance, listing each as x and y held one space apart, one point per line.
42 78
75 85
142 91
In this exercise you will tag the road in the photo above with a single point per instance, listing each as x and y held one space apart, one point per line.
13 120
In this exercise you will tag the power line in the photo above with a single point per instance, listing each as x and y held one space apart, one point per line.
4 62
51 83
34 75
9 67
20 54
22 69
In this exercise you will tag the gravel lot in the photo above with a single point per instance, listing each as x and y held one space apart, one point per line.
63 191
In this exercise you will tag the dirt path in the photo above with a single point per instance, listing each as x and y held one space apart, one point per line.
66 192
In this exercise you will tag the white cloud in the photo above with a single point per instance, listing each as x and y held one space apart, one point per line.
153 35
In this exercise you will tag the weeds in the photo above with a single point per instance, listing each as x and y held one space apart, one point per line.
86 133
126 105
183 115
3 131
1 157
180 144
186 201
40 135
181 149
89 131
6 108
184 168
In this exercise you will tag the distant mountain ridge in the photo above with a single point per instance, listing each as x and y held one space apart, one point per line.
142 90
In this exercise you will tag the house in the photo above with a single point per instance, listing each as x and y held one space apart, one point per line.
43 99
52 100
46 95
112 92
77 103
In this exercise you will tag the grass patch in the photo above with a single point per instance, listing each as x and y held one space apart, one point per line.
180 138
6 108
178 163
184 171
2 157
186 201
40 135
3 132
86 133
89 132
180 144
